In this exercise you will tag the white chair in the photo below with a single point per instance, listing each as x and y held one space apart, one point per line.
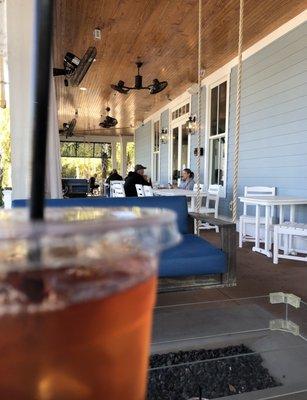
191 201
148 192
139 190
250 220
117 186
119 192
201 186
288 230
213 196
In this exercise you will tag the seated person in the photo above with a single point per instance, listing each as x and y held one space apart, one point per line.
187 180
114 176
135 178
93 184
148 179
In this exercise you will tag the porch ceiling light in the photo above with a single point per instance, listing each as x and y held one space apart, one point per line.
163 136
191 124
154 88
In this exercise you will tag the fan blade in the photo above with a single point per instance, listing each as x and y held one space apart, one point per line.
157 86
69 131
83 66
120 89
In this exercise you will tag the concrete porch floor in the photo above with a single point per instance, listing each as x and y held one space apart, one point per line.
256 276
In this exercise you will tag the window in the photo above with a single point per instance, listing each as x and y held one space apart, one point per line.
156 136
156 151
181 111
83 159
217 134
85 149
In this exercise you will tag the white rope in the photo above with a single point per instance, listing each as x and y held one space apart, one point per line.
238 114
198 196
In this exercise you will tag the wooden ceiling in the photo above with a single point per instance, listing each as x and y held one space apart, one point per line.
163 34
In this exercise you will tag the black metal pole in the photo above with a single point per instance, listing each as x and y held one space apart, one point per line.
42 43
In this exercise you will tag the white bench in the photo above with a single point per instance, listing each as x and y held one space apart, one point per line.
288 230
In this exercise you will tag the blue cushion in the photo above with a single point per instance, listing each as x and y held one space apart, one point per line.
175 203
193 256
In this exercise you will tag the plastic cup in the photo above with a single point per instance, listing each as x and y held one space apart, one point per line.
76 298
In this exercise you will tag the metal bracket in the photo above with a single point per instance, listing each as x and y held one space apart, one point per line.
285 326
286 298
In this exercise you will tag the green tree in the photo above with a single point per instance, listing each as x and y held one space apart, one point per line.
130 156
74 167
5 151
5 148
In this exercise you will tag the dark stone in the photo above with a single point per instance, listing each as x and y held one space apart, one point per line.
238 371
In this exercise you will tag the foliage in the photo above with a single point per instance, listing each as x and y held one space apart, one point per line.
84 149
5 152
85 167
130 156
5 148
118 161
73 167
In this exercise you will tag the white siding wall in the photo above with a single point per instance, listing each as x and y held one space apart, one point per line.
143 146
273 142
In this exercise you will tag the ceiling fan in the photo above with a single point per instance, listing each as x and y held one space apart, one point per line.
75 69
108 122
154 88
68 128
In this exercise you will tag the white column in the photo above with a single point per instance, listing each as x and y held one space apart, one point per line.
20 21
53 168
3 53
20 30
113 155
123 148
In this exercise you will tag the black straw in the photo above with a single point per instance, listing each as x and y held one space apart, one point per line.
43 44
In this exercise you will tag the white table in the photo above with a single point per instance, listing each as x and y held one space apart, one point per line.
268 202
180 192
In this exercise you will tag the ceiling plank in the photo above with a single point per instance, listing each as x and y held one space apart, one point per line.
163 34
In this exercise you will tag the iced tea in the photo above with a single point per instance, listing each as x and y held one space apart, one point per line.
64 348
76 299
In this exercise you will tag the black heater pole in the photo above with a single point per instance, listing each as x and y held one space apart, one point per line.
43 43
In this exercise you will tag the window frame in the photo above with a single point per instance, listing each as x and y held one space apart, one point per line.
79 142
209 138
155 153
177 123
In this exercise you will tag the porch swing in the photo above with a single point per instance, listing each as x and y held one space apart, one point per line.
234 202
227 229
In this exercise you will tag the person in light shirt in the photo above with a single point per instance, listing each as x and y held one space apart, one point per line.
187 180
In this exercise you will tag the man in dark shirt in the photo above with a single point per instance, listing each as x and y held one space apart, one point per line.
135 178
114 176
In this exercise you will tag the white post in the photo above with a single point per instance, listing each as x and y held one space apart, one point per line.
53 188
3 53
20 46
123 148
113 155
20 24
